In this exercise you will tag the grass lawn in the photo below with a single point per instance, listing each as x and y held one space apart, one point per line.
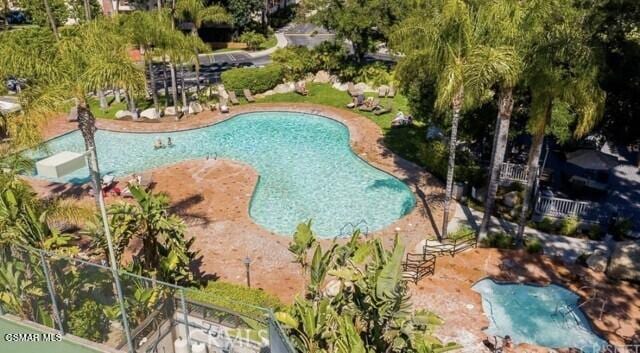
404 141
110 112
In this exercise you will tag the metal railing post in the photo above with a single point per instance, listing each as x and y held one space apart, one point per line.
54 303
185 313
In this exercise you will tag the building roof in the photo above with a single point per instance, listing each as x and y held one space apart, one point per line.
592 159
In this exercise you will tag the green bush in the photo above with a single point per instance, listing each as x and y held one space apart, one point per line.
257 79
498 240
90 322
375 75
621 228
533 246
252 39
435 157
595 232
296 62
547 225
462 232
235 298
569 226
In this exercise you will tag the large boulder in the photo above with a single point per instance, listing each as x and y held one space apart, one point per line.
121 114
170 111
195 108
340 86
322 77
598 261
284 88
625 261
150 113
363 87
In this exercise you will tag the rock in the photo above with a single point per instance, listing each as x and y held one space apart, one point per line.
170 111
309 77
266 94
284 88
511 199
150 113
334 79
121 114
363 87
340 86
625 261
322 77
597 261
73 114
195 108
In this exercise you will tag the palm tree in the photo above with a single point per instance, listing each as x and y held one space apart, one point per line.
196 13
561 68
445 37
504 26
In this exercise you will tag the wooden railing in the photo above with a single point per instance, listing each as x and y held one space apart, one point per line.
564 208
514 172
417 266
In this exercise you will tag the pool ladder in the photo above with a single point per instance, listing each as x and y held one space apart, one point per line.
349 228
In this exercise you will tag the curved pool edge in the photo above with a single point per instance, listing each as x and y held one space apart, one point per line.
369 151
581 300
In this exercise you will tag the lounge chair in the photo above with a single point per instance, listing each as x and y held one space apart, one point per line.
301 89
248 96
233 98
383 110
356 102
392 92
353 91
369 105
382 91
402 120
224 106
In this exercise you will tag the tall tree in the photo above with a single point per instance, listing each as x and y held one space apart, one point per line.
445 37
561 68
197 13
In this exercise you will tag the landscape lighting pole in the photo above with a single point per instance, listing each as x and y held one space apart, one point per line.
112 257
247 264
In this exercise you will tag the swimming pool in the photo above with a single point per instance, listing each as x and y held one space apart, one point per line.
306 166
545 316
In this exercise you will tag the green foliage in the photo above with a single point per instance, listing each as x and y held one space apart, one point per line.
569 226
240 299
296 62
89 321
547 225
358 302
562 122
243 11
252 39
35 9
533 245
376 74
621 228
595 232
499 240
256 79
434 155
461 233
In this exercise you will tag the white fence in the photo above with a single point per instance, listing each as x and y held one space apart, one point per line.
514 172
564 208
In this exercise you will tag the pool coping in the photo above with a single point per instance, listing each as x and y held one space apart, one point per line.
579 302
333 113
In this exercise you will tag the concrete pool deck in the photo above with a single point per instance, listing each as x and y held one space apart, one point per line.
213 196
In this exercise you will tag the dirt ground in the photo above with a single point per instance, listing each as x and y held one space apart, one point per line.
213 197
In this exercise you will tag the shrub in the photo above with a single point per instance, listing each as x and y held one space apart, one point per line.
435 157
547 225
330 56
235 297
256 79
569 226
533 246
296 62
621 228
498 240
375 75
461 232
90 322
595 232
252 39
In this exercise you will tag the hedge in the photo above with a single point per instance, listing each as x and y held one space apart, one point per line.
235 298
258 80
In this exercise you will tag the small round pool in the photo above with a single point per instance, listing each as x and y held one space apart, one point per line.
544 316
306 166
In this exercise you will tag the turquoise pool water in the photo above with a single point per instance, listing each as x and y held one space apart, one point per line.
306 166
544 316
